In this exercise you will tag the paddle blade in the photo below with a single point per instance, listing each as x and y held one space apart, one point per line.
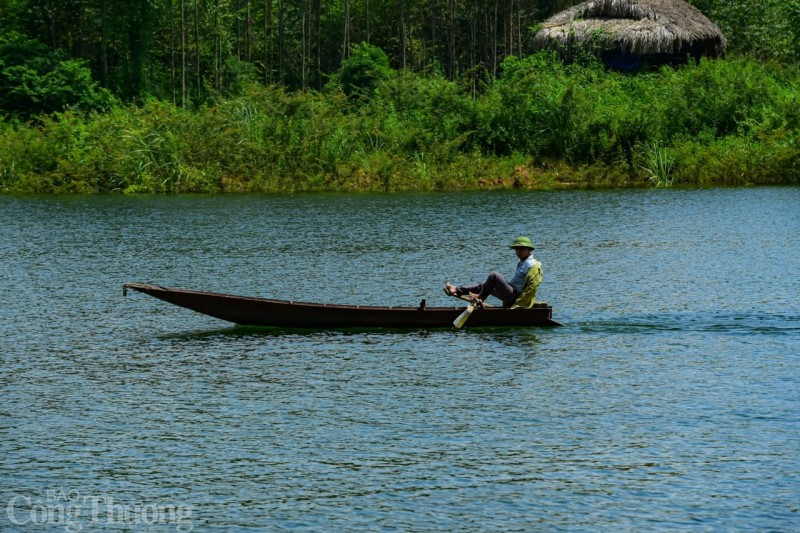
462 318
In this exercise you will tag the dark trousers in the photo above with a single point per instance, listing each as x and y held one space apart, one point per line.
495 285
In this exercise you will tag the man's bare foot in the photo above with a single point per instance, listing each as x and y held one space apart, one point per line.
451 289
473 296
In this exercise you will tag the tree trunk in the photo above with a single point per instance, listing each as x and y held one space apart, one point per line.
268 42
280 40
303 47
318 6
247 22
494 40
452 67
217 49
104 43
197 44
473 64
346 31
183 53
367 14
403 30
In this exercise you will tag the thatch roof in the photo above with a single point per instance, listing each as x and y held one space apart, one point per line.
635 28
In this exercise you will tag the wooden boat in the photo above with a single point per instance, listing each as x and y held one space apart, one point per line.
249 311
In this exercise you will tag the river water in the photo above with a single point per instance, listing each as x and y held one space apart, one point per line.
670 400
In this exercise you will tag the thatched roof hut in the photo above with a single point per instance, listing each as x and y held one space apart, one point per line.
626 33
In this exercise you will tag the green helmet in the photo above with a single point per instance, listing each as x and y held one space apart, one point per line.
522 242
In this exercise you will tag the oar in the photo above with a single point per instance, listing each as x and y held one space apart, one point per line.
462 318
466 299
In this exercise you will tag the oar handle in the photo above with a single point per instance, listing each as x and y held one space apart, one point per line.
466 299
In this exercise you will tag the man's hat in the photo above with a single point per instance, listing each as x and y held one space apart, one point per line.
522 242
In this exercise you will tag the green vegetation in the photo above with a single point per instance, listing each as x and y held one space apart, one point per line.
541 124
35 80
659 166
142 103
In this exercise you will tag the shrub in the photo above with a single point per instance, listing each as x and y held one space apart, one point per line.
363 70
34 80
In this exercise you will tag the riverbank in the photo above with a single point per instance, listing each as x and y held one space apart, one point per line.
540 125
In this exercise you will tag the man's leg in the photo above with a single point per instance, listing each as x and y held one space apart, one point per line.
495 285
464 290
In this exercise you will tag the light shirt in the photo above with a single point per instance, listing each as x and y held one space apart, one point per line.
518 281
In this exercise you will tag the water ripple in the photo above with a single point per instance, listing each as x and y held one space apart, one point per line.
668 401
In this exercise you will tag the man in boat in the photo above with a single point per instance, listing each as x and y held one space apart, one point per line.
519 291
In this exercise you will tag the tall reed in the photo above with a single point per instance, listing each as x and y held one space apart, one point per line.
659 165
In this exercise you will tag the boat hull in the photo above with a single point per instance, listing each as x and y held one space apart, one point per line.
248 311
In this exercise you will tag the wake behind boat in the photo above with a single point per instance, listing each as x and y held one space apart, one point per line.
249 311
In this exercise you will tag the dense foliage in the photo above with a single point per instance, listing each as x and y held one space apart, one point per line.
240 95
540 124
34 79
192 50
